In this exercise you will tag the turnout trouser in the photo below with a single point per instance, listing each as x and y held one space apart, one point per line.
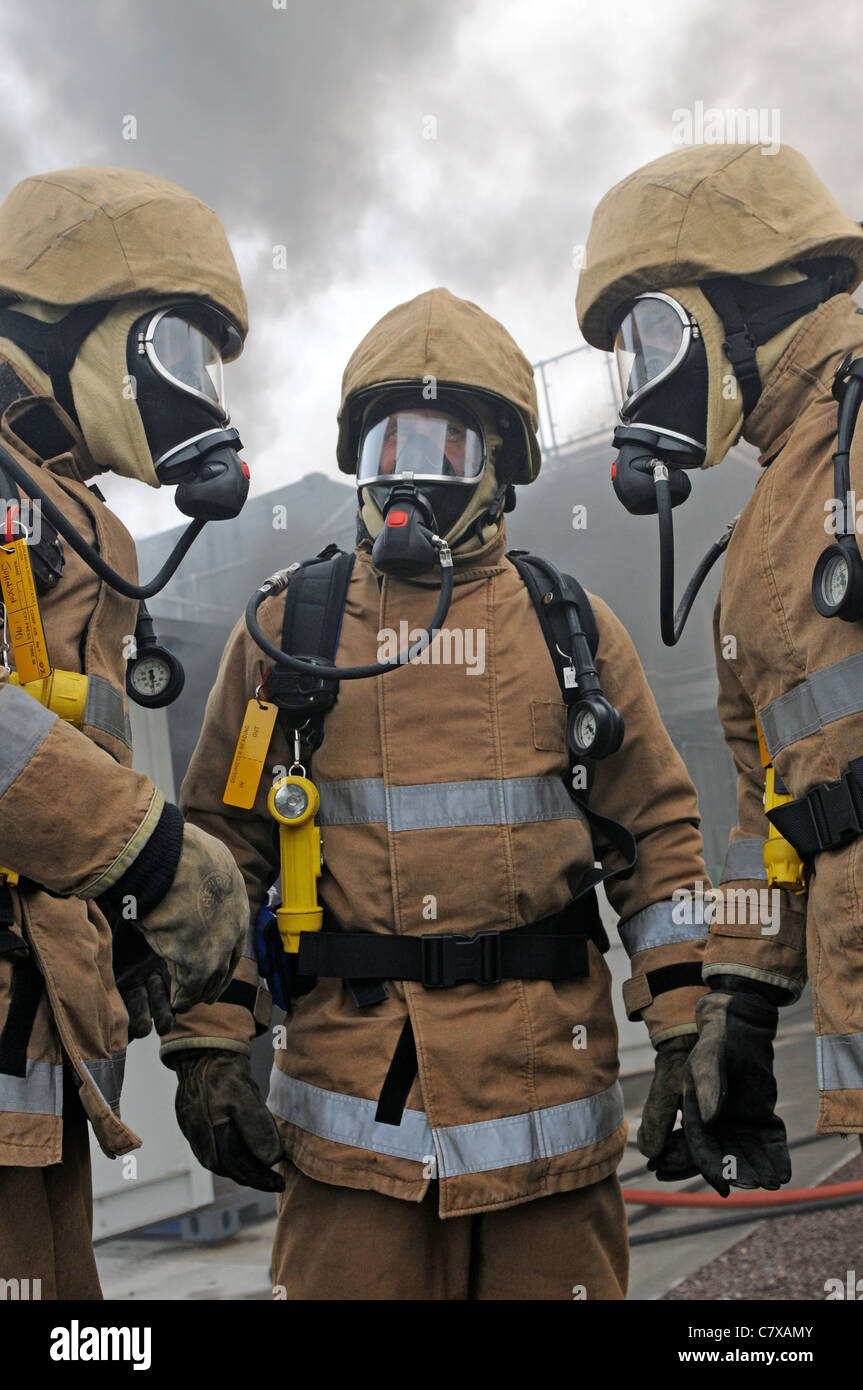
344 1243
46 1221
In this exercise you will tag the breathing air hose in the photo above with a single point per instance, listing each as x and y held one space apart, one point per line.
279 581
672 623
91 557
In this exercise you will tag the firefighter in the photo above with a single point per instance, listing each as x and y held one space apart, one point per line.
451 1051
121 300
721 277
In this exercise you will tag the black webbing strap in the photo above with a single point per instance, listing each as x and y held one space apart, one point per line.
829 816
767 310
680 976
27 985
554 948
54 346
399 1078
530 568
555 630
530 952
314 608
246 995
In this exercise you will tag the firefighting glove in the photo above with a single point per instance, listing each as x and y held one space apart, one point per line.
147 1003
142 979
222 1114
663 1146
729 1091
198 925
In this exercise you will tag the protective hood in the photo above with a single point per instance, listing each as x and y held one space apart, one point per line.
77 236
438 339
105 397
704 211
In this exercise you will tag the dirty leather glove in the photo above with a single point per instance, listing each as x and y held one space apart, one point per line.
146 1001
729 1093
142 979
222 1114
198 926
663 1146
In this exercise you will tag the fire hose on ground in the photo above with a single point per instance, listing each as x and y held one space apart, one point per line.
742 1207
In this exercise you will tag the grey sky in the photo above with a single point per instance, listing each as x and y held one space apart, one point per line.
304 127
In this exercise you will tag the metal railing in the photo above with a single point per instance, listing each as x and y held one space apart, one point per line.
577 396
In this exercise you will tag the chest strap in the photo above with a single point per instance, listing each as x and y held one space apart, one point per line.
829 816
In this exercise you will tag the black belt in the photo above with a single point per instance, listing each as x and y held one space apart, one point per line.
554 948
829 816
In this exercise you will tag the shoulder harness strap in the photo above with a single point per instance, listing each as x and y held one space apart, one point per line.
314 608
556 633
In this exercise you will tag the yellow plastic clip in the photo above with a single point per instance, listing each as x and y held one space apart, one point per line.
783 864
294 803
63 692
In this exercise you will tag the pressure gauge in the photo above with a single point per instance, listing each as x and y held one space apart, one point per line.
834 580
594 727
837 584
584 729
154 678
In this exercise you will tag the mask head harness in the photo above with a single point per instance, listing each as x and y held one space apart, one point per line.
174 355
664 383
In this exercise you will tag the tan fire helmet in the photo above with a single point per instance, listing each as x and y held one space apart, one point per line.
96 248
436 345
681 226
706 210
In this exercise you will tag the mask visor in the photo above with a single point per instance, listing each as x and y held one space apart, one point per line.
427 445
186 344
650 344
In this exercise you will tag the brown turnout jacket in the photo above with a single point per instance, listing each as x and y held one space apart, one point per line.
804 675
444 810
71 812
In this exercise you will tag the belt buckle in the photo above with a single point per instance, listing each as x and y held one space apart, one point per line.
449 960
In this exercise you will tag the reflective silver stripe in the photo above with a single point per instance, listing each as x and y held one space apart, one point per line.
106 1073
840 1062
744 859
457 1149
360 801
348 1119
40 1092
558 1129
24 725
821 698
655 925
435 805
105 710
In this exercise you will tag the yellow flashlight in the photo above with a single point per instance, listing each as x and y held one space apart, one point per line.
294 803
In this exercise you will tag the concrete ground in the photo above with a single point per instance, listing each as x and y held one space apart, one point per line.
787 1258
658 1268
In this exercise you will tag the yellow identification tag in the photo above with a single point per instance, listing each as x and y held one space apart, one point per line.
250 754
24 621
